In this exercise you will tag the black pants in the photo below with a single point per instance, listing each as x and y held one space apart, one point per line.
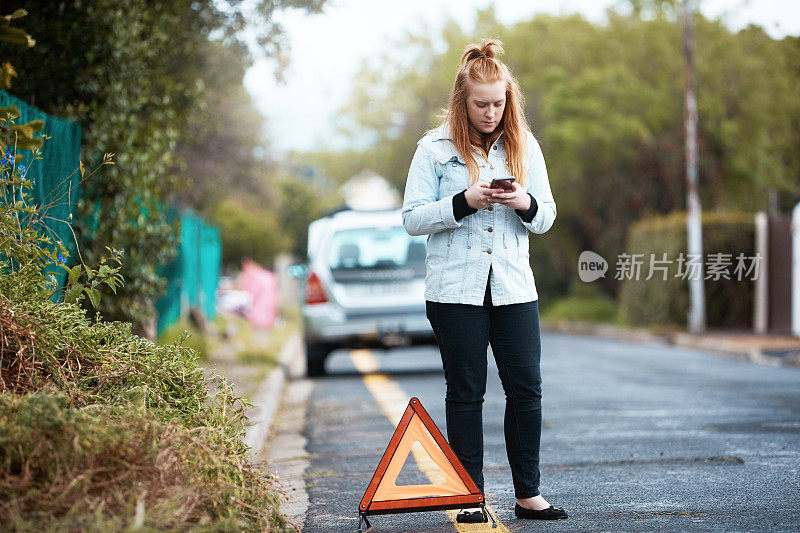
463 333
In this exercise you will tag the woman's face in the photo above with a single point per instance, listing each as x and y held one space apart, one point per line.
485 105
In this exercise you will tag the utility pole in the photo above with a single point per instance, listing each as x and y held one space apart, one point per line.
694 228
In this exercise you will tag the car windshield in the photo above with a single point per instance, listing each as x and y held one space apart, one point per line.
377 249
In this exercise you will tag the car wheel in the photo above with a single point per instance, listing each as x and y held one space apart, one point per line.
315 359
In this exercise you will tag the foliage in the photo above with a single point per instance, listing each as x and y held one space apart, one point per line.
114 468
184 333
659 301
226 151
248 231
586 305
267 354
299 203
605 102
101 428
15 136
28 248
20 136
9 34
135 74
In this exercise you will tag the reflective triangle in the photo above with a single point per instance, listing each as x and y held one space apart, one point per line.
455 490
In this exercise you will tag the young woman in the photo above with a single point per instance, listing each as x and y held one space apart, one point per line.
479 287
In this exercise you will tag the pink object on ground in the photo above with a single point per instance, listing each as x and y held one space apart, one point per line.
262 285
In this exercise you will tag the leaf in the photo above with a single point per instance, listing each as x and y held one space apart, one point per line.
72 293
94 296
15 36
74 274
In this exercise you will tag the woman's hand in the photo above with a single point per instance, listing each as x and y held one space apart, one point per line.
516 199
479 195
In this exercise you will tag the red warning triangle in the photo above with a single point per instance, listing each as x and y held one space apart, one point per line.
384 496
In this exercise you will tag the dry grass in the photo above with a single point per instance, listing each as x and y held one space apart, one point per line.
72 469
102 430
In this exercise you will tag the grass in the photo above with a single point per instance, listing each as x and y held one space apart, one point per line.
108 468
187 335
584 308
260 348
103 430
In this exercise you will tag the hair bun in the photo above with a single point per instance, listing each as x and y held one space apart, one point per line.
490 48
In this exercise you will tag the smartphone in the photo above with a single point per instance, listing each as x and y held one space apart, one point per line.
503 183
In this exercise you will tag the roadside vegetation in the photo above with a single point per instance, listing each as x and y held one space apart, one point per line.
160 84
232 347
588 304
100 428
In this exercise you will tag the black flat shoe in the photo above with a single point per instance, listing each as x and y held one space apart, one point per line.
471 517
551 513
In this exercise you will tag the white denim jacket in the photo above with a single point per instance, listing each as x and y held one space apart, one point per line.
460 252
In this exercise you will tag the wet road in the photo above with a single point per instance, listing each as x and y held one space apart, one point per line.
636 437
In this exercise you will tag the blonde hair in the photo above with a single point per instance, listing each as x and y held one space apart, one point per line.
480 65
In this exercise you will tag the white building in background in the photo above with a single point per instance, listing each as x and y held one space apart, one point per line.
369 191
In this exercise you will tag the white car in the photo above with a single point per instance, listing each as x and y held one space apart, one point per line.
365 285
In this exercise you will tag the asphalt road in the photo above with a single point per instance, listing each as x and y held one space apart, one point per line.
636 437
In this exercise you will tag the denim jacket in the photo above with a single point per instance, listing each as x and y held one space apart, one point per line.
461 252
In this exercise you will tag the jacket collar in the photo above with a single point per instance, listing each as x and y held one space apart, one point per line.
443 132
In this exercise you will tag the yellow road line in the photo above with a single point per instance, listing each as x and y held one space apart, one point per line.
393 402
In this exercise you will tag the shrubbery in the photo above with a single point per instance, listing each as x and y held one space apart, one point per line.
101 429
247 231
659 301
582 309
109 468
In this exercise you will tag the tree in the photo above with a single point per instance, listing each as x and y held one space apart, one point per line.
132 72
606 103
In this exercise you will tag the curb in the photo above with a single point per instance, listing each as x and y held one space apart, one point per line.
606 331
268 397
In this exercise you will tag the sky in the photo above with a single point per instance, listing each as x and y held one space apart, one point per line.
327 49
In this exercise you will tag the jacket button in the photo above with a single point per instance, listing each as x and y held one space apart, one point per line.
495 147
488 251
489 230
490 208
454 164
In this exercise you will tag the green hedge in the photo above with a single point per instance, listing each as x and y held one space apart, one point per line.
665 302
249 231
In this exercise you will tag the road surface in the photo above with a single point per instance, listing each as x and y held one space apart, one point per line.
636 437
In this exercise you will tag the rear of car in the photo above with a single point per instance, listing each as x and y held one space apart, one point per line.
365 285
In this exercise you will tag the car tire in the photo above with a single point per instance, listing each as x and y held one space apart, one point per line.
315 359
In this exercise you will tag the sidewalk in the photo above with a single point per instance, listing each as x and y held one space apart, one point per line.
771 349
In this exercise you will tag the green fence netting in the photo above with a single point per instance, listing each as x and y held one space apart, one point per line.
57 178
192 278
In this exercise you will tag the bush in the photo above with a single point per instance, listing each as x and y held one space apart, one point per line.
102 417
106 468
659 301
581 308
248 232
183 333
101 429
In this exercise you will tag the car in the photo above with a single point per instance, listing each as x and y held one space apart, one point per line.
364 285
